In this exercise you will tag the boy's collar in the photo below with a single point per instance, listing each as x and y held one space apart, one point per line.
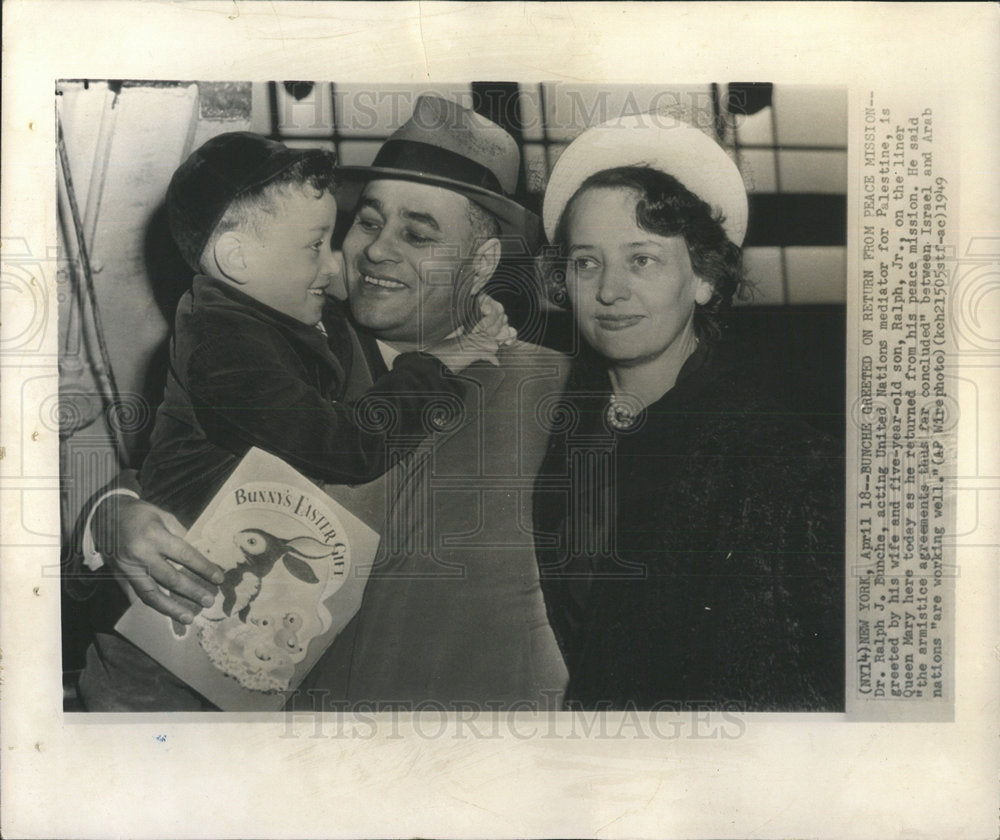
204 287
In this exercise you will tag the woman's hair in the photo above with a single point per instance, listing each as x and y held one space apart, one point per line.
667 208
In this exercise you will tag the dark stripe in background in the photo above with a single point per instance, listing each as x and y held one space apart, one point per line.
796 219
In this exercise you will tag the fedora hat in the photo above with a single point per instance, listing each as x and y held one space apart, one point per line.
446 145
660 141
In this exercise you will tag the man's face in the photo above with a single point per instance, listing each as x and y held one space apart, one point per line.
405 255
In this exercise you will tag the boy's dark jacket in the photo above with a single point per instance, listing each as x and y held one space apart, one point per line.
242 374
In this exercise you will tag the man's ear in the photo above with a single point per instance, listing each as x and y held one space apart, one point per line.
485 260
230 256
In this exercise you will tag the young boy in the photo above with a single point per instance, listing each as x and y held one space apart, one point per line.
251 363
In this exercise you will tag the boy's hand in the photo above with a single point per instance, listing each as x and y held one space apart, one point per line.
147 547
492 326
481 342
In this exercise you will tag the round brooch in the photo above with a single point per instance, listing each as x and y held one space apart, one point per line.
621 414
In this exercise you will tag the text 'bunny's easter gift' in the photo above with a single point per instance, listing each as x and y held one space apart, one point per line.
295 563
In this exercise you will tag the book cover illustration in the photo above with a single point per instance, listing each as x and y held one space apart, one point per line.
295 563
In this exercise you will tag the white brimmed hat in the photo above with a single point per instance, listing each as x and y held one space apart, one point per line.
659 141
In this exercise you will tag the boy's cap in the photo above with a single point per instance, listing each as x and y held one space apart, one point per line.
216 173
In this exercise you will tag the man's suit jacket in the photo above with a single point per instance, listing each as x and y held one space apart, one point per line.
453 612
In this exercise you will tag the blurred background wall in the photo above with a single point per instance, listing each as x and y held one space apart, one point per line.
121 276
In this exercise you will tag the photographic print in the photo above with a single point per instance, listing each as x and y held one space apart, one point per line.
738 596
637 361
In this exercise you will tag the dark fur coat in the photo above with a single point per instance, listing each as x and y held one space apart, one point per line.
695 560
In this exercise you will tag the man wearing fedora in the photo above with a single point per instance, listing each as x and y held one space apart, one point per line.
452 613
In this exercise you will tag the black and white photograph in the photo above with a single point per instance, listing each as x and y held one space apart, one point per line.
598 493
487 422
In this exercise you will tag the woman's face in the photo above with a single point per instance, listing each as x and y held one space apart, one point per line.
633 292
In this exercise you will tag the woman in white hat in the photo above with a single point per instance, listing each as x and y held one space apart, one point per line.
689 535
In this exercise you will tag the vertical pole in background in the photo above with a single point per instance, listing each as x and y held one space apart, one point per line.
90 312
272 102
516 283
102 155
